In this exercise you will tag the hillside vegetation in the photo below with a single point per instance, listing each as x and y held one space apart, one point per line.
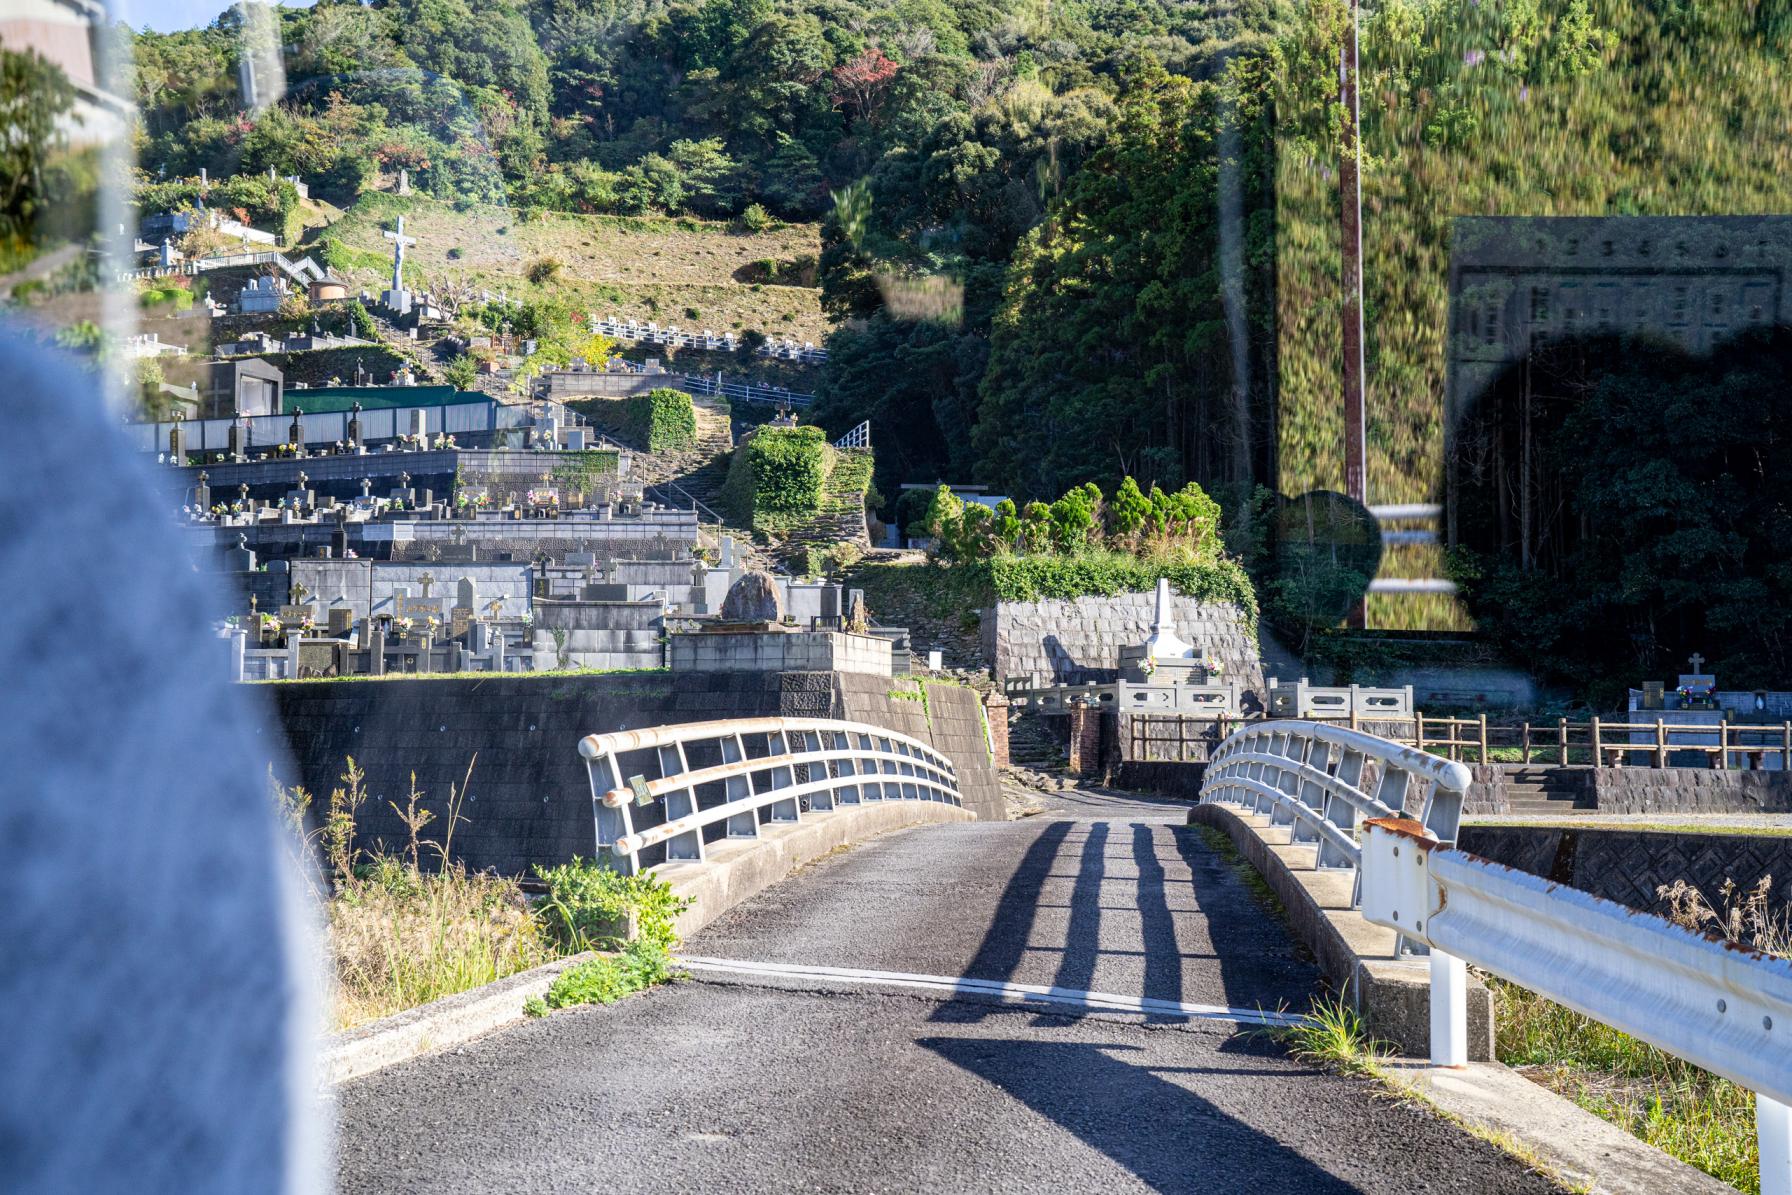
643 267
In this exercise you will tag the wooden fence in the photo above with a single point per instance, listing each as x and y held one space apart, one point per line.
1564 744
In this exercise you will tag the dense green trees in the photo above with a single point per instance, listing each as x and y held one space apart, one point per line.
1666 528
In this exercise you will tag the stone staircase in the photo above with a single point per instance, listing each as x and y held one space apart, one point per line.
1546 792
1035 757
841 515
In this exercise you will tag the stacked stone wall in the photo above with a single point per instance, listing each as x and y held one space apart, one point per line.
1079 642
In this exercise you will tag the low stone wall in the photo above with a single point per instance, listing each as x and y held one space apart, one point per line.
1690 790
529 800
1629 865
1079 642
581 634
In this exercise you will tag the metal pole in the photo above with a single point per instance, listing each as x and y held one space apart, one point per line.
1449 1010
1773 1132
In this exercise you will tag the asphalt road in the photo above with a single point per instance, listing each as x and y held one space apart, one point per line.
776 1084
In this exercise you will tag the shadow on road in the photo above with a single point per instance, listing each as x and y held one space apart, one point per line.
1172 1139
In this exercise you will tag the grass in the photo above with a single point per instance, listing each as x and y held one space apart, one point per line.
646 267
1689 1113
1333 1036
403 932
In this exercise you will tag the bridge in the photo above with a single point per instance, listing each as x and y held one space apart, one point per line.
1083 1000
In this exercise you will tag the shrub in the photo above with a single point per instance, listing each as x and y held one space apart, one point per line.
756 218
662 420
607 980
543 270
589 906
777 476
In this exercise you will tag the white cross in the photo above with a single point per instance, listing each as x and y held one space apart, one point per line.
1698 663
399 241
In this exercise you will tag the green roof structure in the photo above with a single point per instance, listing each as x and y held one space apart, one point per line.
324 400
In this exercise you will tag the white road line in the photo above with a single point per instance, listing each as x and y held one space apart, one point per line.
1025 992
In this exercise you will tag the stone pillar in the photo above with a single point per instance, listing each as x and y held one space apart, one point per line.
995 711
239 642
376 660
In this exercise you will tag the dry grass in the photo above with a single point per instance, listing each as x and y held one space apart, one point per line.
645 267
401 937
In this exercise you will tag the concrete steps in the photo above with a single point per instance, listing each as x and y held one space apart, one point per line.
1546 792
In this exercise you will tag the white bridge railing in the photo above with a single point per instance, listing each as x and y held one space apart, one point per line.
1719 1005
681 780
1311 777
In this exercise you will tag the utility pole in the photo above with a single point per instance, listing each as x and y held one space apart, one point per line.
1350 185
1351 193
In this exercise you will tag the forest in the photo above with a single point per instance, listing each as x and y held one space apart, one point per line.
1062 242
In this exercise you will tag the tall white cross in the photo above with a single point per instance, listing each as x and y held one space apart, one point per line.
399 241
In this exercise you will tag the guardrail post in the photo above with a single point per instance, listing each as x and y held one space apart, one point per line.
1484 758
1598 745
1661 742
1449 1010
1773 1134
1723 742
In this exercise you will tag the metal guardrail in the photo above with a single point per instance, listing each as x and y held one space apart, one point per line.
1310 776
727 772
858 437
745 391
1720 1006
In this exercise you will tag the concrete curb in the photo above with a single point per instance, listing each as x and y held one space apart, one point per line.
1578 1146
1392 995
739 869
1394 999
438 1025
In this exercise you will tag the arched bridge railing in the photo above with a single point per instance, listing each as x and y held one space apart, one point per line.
1718 1004
1323 781
665 791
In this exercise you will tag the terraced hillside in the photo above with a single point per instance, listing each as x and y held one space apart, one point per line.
693 273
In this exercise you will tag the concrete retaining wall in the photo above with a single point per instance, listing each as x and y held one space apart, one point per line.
1629 865
529 800
1079 642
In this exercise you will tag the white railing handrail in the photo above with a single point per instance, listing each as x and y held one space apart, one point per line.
1721 1006
1309 776
842 763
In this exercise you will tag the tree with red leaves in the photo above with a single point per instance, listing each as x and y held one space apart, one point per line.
861 82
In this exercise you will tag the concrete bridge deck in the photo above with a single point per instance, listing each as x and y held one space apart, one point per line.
749 1082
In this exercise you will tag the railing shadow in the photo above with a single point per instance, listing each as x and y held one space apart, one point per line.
1170 1138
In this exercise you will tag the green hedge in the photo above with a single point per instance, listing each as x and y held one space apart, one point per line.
662 420
1035 578
776 478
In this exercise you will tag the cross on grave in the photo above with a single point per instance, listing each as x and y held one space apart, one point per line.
243 492
1697 661
426 581
304 480
404 481
399 241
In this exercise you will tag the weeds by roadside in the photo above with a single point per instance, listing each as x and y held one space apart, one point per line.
412 925
1691 1114
1333 1036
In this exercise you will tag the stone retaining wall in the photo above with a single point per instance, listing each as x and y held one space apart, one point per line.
1690 790
1629 865
1079 642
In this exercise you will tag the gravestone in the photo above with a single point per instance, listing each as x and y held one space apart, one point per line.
239 559
342 621
153 866
202 492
